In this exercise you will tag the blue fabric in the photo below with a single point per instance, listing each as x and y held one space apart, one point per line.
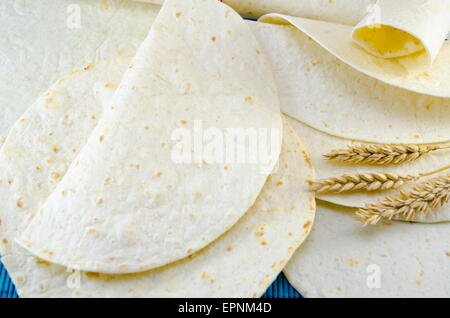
7 289
279 289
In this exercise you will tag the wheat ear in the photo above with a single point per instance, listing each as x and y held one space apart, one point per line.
381 154
363 181
420 200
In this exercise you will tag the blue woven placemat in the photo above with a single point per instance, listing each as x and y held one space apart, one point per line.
279 289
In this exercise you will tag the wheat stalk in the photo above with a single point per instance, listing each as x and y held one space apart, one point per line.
420 200
381 154
362 181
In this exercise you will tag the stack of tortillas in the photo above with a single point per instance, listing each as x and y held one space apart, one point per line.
90 182
95 204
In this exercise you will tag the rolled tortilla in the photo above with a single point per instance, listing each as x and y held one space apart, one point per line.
318 89
128 204
412 31
319 144
337 40
31 60
342 259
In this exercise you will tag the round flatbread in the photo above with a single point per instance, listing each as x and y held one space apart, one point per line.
341 258
144 191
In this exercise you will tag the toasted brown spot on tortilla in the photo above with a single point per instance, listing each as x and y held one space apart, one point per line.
56 175
448 254
93 117
158 174
55 149
307 224
20 279
279 183
100 202
5 241
91 231
20 204
146 127
290 234
49 253
41 262
263 243
197 195
229 248
183 122
101 138
351 262
259 233
418 282
107 181
213 39
135 166
189 251
110 85
249 99
178 14
42 287
10 181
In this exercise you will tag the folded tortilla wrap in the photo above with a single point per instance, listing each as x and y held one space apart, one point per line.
41 41
45 140
128 203
242 263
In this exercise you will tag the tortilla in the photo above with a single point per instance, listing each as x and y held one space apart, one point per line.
406 35
342 259
45 140
319 144
241 263
340 11
412 31
337 40
128 204
318 89
36 50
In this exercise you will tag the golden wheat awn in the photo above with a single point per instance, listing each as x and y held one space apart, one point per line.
423 198
381 154
362 181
